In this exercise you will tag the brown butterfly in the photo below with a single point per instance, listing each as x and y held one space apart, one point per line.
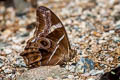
47 47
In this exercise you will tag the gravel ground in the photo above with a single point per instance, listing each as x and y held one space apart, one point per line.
93 28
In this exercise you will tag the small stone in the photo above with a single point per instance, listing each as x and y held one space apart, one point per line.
84 65
117 29
90 79
3 44
8 51
67 79
95 48
70 76
110 59
102 41
25 34
6 33
50 78
112 31
1 62
95 72
16 47
116 39
76 28
80 69
86 74
17 39
117 51
118 58
71 68
9 75
76 77
97 34
19 63
7 70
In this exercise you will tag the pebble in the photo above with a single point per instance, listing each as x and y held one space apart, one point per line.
96 72
50 78
25 34
71 68
9 75
16 39
3 44
97 34
8 51
19 62
2 9
91 79
116 39
112 31
76 28
117 28
110 59
102 41
1 62
84 65
119 58
7 71
70 76
16 47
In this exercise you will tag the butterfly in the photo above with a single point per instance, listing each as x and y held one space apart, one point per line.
47 47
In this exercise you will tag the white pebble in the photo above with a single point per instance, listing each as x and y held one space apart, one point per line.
70 76
7 70
90 79
8 51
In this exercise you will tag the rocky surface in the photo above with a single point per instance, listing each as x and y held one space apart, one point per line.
43 71
93 28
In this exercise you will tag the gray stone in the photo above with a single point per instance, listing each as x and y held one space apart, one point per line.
96 72
42 73
7 71
116 39
71 68
1 62
70 76
84 65
8 51
19 62
90 79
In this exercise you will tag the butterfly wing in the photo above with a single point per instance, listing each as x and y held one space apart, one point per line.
43 22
